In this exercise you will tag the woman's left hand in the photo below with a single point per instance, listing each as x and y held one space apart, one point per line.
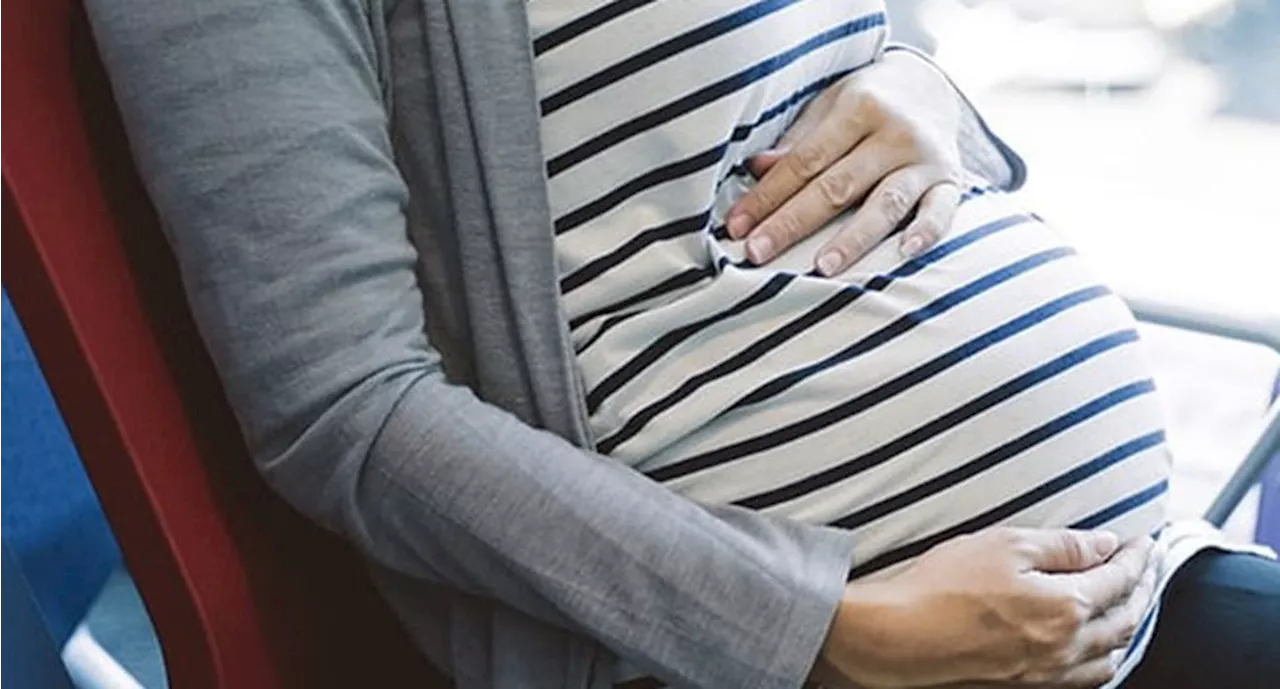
885 137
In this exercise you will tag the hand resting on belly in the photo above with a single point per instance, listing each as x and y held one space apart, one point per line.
990 380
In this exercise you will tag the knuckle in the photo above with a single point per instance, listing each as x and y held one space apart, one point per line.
942 174
1006 537
1068 615
1061 659
1134 575
847 114
895 202
1023 550
808 160
854 243
929 230
971 541
904 137
1075 615
1130 627
837 188
1073 547
1049 666
1134 578
1053 636
868 106
760 200
785 229
1034 676
1042 677
952 174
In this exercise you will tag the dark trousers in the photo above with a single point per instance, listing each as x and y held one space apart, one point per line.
1219 627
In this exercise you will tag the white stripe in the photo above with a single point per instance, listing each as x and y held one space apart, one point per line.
696 425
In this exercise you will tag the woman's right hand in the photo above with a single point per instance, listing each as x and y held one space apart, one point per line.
1005 607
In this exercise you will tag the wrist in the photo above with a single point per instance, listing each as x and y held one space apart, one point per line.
864 640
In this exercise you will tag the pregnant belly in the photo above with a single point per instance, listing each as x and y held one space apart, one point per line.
991 381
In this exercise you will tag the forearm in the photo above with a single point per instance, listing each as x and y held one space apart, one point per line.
475 496
260 132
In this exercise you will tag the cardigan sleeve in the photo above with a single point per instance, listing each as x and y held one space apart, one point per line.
260 131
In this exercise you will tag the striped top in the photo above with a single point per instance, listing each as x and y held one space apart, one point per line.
990 380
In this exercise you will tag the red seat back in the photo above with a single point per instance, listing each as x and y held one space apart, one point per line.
242 591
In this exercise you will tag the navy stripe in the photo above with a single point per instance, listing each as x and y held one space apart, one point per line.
638 242
671 284
974 192
692 164
585 23
668 341
941 251
845 295
895 386
662 51
832 305
1014 506
1147 620
1116 510
666 173
707 94
619 319
903 324
936 427
992 458
605 327
671 230
1122 507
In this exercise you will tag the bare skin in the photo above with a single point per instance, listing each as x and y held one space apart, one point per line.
885 138
999 608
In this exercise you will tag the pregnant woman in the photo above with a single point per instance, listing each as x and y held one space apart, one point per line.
576 317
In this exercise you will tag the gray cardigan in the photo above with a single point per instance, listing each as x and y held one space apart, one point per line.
355 193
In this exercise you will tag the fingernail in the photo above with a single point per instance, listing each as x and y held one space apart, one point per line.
911 246
1105 543
829 263
738 224
759 249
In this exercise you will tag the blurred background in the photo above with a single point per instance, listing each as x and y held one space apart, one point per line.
1152 132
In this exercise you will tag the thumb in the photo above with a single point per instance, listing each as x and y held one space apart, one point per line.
1068 550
